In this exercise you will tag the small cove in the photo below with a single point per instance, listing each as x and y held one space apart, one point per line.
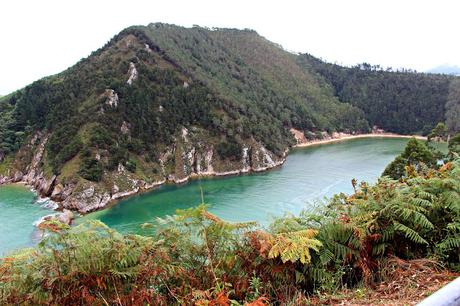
308 176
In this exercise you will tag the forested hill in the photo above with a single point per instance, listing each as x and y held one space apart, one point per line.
162 102
398 101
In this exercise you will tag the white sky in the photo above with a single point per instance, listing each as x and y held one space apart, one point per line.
43 37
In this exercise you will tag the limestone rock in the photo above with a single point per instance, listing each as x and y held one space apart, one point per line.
65 217
125 128
112 98
132 73
60 193
87 200
18 176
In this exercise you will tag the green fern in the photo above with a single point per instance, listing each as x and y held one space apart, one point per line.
295 246
449 243
409 233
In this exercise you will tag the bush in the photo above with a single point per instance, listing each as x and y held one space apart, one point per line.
66 154
196 258
131 165
90 168
229 149
454 144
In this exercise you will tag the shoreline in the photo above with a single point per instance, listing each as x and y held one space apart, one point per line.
350 137
186 180
210 175
152 186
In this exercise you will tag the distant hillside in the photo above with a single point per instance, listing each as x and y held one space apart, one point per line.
162 102
446 69
398 101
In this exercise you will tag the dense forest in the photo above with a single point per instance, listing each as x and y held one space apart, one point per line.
156 98
402 101
380 234
181 78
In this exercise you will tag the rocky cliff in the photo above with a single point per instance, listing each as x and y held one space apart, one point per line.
187 158
162 103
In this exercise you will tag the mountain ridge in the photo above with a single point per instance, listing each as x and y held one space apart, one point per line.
446 69
163 103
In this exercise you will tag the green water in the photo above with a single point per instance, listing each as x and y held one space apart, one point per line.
308 175
19 209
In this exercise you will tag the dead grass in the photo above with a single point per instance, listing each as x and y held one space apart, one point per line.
404 283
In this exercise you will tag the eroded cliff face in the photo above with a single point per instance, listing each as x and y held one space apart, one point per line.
150 79
191 155
28 167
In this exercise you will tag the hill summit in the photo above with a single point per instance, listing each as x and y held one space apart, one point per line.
164 103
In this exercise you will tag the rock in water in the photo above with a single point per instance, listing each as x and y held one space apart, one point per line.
66 217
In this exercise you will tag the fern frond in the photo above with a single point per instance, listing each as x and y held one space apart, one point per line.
414 216
409 233
293 246
379 249
449 243
454 227
421 202
325 256
452 200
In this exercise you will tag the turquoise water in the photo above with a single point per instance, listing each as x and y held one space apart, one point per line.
309 175
19 209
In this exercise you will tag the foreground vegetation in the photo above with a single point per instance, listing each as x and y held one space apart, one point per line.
354 241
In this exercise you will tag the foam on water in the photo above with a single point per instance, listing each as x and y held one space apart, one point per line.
36 223
47 203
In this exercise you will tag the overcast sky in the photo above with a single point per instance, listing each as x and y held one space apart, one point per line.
39 38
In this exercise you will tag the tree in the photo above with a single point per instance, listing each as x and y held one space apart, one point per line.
439 132
415 154
453 107
90 168
454 144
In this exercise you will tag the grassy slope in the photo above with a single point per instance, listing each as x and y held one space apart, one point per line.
262 78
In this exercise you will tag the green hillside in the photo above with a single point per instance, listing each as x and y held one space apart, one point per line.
162 102
403 102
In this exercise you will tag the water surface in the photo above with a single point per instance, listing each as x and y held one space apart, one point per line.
19 210
309 175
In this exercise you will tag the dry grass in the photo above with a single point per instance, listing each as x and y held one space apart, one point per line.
403 283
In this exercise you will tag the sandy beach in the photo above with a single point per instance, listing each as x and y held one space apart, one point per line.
348 137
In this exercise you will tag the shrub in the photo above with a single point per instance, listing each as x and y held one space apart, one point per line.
90 168
131 165
229 149
195 257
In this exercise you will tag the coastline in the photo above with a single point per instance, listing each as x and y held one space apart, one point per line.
342 137
350 137
147 187
193 176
